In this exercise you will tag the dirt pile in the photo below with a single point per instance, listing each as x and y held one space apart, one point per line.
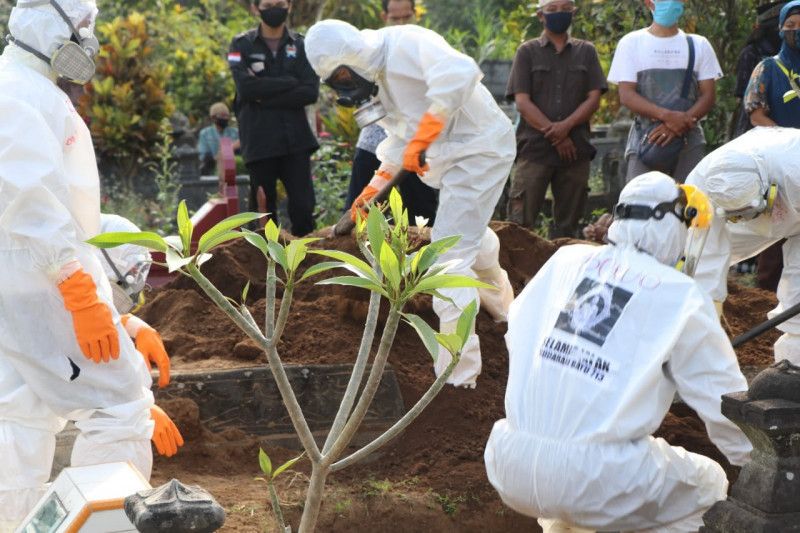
444 447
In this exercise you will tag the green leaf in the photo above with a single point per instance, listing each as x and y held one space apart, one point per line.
321 267
361 266
354 281
449 281
375 233
271 231
396 206
147 239
287 465
390 267
278 254
258 241
265 463
431 252
295 253
219 239
185 228
222 228
450 341
245 291
426 334
466 321
175 261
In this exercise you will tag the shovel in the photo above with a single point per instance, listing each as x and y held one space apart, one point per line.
766 325
346 224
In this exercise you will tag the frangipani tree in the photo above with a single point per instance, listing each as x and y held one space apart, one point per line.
390 269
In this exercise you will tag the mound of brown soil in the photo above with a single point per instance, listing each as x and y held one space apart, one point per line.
443 448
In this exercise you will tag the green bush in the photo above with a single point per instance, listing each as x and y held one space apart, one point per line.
126 101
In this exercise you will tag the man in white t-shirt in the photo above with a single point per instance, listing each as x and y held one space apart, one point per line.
649 66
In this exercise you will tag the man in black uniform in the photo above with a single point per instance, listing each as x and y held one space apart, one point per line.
274 83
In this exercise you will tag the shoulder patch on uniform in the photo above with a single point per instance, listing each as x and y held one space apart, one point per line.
234 57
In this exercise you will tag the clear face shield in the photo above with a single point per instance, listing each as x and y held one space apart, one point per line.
698 214
355 91
128 288
73 60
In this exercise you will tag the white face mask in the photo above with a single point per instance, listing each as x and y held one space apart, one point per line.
71 60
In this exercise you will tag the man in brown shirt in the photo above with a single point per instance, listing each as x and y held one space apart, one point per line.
556 82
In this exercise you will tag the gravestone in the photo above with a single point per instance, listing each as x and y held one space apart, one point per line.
766 497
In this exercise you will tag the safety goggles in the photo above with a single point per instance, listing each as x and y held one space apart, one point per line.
757 207
691 207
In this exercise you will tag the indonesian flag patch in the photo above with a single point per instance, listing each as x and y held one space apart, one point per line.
234 57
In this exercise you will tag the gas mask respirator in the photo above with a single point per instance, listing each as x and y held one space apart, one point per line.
355 91
128 290
73 59
692 207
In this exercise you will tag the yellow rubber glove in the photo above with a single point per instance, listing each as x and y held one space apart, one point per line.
429 129
94 327
378 182
150 345
166 436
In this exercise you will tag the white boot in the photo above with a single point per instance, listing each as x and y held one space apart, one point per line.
788 347
496 301
468 368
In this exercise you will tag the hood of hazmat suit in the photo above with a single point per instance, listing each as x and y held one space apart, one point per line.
663 239
759 167
49 207
599 342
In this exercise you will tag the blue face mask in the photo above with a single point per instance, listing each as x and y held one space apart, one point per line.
791 38
667 12
558 22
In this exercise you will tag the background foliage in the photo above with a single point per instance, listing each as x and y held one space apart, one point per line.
179 59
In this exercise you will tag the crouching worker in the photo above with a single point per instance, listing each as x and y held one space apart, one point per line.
126 268
599 342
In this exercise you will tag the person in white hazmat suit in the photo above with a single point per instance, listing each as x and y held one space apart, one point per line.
599 341
63 351
754 183
430 101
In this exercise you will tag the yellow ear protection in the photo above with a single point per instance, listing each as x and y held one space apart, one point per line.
697 212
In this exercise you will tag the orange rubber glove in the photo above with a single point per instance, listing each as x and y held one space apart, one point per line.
94 328
150 345
429 129
378 182
166 436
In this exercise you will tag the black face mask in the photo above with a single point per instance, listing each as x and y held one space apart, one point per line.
274 16
352 89
221 122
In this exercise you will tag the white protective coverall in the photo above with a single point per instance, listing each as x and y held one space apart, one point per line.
49 205
599 342
734 175
418 72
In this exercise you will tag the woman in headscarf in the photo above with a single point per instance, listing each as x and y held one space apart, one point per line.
773 96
